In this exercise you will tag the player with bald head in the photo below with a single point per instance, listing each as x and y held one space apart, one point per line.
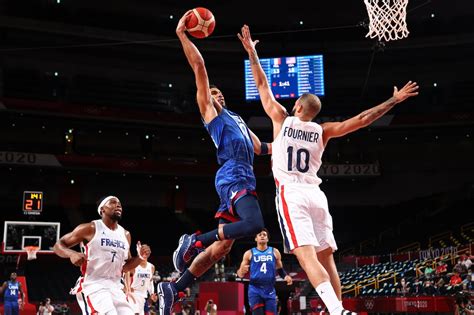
310 106
297 148
105 258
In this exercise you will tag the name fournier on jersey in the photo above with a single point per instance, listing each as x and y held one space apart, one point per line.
309 136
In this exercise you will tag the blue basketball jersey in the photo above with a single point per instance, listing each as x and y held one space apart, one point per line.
11 293
231 138
235 155
262 267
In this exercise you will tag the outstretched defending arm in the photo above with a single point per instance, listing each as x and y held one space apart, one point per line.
204 98
274 110
364 119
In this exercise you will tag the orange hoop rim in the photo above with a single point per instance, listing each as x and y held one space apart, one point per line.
31 248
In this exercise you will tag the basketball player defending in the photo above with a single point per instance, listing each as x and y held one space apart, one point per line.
298 145
142 285
12 291
264 263
239 212
106 257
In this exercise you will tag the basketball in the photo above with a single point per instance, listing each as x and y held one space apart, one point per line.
200 23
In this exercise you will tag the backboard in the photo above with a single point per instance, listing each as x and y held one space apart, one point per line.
18 234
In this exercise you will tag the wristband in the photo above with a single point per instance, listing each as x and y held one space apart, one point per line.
263 148
282 273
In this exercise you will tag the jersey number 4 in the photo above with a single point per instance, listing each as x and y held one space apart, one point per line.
302 159
263 268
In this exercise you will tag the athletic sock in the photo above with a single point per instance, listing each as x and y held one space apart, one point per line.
329 297
185 280
208 238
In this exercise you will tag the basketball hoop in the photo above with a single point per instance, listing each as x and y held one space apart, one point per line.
31 251
387 19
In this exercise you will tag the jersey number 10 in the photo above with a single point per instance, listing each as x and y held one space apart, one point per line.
302 163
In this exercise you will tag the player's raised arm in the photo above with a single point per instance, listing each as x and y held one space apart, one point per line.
364 119
143 252
274 110
245 265
204 99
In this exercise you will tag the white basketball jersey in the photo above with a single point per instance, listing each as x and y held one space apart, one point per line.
106 253
297 152
142 280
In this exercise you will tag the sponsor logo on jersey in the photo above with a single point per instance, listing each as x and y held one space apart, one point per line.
112 243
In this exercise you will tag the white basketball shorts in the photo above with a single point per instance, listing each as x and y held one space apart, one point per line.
105 301
138 305
304 217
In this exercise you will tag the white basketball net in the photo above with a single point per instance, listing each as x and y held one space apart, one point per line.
387 19
31 251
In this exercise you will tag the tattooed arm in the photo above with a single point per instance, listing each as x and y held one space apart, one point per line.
364 119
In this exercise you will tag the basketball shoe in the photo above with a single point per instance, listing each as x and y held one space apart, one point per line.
168 296
188 248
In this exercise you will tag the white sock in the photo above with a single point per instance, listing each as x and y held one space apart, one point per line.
329 297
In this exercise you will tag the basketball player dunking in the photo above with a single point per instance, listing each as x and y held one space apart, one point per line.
239 212
263 262
106 257
302 207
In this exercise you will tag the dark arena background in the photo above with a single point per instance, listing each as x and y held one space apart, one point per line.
97 98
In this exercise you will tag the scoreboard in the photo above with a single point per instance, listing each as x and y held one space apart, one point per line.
32 202
289 77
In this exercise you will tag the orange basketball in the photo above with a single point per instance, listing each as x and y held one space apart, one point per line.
200 23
